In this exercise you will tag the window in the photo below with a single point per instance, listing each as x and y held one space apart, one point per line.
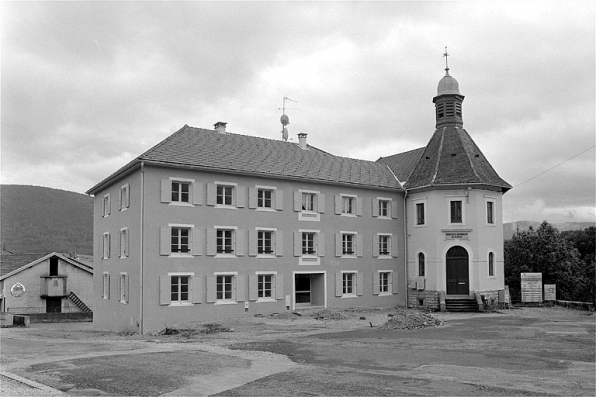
180 240
309 202
106 205
265 242
264 198
349 283
123 243
384 208
106 246
420 214
384 245
106 286
490 212
491 264
124 197
123 288
225 288
421 265
384 282
308 243
349 205
348 244
225 241
180 289
54 266
225 195
265 286
456 211
180 192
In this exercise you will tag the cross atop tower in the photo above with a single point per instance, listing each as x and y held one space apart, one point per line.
446 64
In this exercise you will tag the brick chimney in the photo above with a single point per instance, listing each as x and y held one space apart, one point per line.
220 127
302 140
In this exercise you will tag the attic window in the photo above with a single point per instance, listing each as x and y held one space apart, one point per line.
453 154
54 266
428 158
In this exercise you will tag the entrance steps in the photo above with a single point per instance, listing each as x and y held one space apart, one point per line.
461 304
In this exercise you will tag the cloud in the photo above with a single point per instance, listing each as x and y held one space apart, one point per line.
87 86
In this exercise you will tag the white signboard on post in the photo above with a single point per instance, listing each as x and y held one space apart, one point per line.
531 287
550 292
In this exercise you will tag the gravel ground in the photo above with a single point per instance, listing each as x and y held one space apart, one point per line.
217 337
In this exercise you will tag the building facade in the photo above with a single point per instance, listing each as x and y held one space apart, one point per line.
54 283
209 224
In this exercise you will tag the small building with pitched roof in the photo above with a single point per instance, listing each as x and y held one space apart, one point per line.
51 283
210 224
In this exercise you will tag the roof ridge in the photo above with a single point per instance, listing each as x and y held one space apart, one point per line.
472 165
438 161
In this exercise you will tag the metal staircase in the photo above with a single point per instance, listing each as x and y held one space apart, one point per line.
80 304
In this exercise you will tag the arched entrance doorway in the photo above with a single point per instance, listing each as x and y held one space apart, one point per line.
458 282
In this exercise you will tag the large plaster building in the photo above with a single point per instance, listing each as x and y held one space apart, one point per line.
209 224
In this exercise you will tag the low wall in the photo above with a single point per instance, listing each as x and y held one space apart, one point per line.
60 317
576 305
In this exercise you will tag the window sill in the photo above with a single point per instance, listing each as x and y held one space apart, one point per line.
385 257
383 217
181 204
123 209
266 209
123 302
266 256
422 225
348 296
349 215
491 225
177 255
181 304
225 303
348 256
266 300
226 207
309 216
385 294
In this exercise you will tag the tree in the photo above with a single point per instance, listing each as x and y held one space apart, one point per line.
544 251
585 242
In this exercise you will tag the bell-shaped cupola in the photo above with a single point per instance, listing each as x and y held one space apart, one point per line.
448 102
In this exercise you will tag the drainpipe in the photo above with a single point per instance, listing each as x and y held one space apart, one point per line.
406 245
141 294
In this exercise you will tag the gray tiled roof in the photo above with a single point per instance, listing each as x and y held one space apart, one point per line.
208 149
402 164
452 158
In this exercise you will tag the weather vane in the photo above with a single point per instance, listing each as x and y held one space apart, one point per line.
285 120
446 64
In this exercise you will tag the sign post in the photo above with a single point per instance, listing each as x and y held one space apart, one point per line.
531 287
550 292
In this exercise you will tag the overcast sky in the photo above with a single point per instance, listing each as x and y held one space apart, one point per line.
87 86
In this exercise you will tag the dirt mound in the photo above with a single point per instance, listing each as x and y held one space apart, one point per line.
411 320
325 315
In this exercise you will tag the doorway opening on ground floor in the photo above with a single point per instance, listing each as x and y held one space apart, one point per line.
309 290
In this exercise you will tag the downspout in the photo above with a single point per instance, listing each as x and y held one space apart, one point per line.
141 256
406 245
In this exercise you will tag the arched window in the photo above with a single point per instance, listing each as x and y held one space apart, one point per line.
421 264
491 264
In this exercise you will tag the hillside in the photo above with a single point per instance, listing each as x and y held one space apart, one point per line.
38 219
510 228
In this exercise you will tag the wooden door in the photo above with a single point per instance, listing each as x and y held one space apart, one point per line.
458 282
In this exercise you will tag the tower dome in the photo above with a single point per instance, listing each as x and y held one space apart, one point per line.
448 86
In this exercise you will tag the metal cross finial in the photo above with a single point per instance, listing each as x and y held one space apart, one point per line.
446 64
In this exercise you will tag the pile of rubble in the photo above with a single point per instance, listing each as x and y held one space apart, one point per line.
410 319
